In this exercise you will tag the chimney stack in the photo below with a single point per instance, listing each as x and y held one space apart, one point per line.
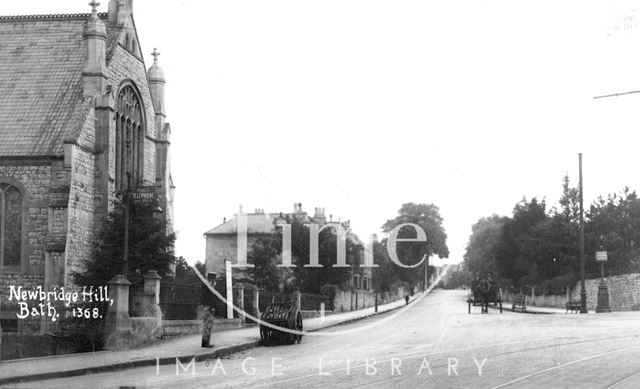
319 215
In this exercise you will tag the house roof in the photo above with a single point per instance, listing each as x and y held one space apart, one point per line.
41 62
264 223
256 224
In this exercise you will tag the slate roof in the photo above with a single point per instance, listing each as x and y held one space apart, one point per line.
41 102
263 223
256 224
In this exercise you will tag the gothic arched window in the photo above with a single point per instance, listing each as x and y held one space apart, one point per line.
129 138
10 225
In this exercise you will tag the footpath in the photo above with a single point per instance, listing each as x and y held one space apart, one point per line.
164 351
506 306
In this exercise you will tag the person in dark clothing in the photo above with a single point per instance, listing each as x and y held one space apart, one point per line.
208 301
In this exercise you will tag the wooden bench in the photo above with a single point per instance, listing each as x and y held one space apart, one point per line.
573 306
519 302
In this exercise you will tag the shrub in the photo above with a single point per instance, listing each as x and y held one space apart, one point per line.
558 285
458 279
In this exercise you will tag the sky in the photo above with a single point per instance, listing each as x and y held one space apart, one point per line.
359 106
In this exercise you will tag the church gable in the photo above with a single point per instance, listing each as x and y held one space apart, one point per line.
77 118
41 58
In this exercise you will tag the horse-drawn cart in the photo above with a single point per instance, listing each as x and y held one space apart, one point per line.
284 315
484 291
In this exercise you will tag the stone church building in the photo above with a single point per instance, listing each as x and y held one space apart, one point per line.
81 118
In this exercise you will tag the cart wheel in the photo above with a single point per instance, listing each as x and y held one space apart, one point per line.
265 335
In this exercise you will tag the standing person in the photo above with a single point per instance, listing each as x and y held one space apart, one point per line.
209 311
207 326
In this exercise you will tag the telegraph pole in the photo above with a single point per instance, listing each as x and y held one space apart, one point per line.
583 292
125 254
126 201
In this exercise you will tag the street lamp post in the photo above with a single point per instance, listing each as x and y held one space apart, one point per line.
603 290
583 292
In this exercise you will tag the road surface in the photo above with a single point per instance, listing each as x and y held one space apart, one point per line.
432 343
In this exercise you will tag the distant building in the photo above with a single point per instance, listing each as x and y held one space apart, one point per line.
80 119
222 241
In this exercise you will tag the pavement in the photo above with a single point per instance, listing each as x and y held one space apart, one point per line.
432 342
532 309
163 352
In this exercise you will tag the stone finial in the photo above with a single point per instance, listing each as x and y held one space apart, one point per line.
94 26
94 7
94 35
155 55
156 79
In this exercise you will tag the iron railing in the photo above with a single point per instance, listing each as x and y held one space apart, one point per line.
180 302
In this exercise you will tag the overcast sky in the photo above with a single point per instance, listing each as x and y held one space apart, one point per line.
360 106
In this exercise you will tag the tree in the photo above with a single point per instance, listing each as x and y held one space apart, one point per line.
150 247
310 279
519 249
534 247
614 225
184 274
266 254
427 216
569 203
459 278
486 235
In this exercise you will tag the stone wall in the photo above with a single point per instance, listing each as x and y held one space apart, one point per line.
80 211
555 301
624 294
90 181
221 247
173 328
16 346
352 300
124 66
33 177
